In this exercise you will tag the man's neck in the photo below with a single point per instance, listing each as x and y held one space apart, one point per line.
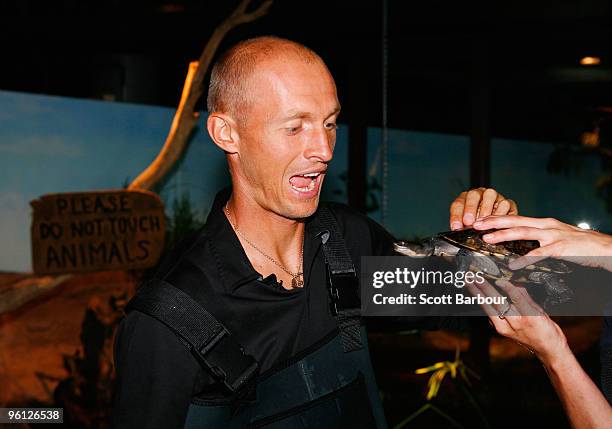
275 235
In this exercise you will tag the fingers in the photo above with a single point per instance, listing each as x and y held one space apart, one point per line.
502 326
487 290
456 212
530 314
508 318
472 202
520 298
501 208
505 207
490 198
527 331
544 236
478 203
523 261
487 308
533 257
509 221
513 208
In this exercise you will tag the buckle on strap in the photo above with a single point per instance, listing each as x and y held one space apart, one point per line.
343 291
226 359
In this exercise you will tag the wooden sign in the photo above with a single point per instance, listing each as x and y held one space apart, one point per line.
97 231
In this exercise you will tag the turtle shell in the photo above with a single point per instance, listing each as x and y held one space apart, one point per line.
471 239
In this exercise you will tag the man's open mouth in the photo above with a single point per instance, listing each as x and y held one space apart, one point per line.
304 182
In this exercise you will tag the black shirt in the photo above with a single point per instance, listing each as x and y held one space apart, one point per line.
157 376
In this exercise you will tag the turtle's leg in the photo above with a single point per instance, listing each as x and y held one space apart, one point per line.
464 260
557 290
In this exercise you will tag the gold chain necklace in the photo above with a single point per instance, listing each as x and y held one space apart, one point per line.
297 279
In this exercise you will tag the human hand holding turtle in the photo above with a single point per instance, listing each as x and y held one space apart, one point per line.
471 252
478 203
557 240
523 321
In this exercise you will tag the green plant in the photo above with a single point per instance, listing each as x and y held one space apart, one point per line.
185 220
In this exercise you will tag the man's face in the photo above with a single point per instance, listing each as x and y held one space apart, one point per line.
288 136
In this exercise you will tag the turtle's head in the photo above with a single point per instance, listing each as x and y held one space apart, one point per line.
415 250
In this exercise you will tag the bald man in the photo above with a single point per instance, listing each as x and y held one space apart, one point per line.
255 320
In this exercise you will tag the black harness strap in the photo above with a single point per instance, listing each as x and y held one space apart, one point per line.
342 281
210 342
606 372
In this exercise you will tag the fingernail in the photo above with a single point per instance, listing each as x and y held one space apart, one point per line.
487 237
456 225
500 283
478 223
468 218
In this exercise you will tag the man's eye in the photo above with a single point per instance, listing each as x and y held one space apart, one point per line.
292 130
331 126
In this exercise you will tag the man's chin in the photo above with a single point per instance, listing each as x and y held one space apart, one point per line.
302 209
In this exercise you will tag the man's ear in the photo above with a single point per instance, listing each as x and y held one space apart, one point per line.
222 131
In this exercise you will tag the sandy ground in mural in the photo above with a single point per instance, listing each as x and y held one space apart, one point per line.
35 337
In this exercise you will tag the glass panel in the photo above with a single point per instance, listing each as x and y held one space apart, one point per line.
334 187
519 171
426 171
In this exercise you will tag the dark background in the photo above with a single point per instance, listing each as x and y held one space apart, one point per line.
440 54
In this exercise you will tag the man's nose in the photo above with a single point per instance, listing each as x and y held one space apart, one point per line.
320 146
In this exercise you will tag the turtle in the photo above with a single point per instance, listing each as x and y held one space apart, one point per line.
473 253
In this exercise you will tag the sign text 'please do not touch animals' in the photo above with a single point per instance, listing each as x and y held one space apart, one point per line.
97 231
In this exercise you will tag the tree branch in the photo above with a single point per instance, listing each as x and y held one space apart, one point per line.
186 116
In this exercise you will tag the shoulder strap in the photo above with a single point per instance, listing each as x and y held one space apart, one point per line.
606 372
342 281
210 342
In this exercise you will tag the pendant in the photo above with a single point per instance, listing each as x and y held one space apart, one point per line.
296 282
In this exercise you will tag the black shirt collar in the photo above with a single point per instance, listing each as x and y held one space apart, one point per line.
233 264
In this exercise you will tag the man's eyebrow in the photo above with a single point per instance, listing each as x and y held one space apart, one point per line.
296 115
302 115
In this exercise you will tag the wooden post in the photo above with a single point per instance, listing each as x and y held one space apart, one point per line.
480 174
357 113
